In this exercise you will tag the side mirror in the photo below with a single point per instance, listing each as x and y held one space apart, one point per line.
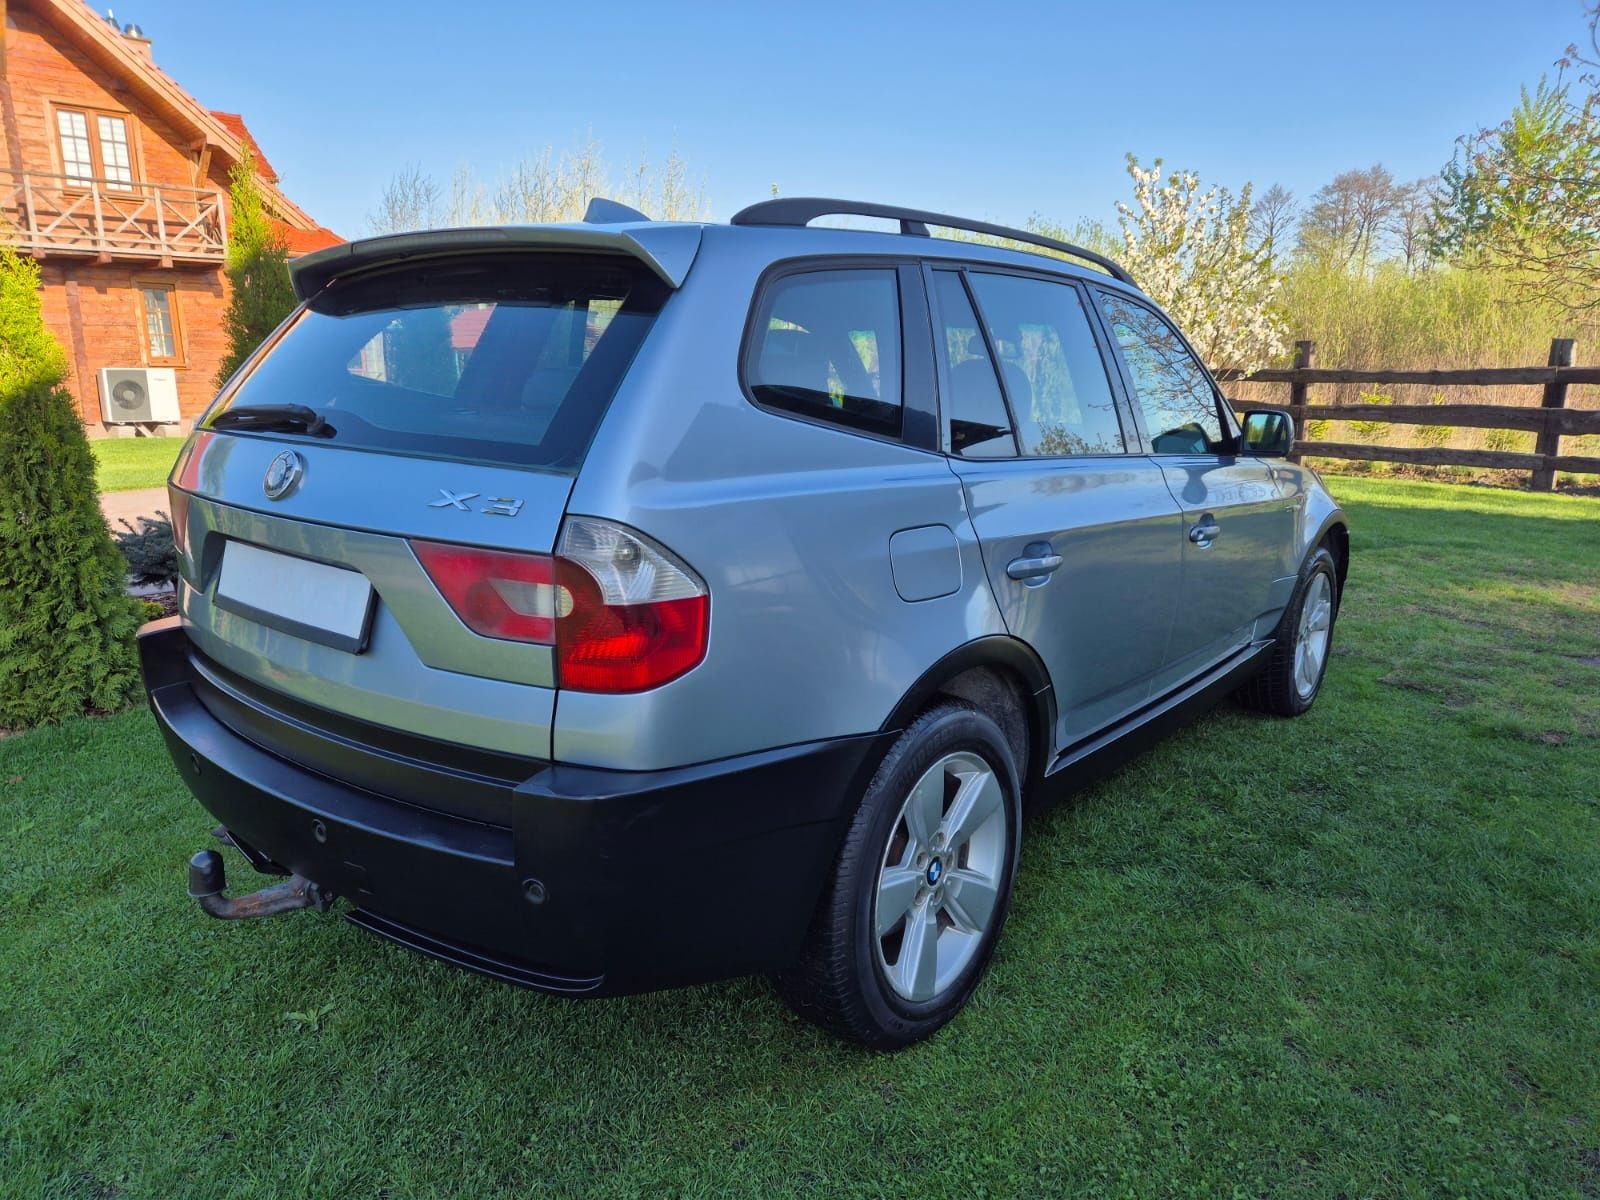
1268 433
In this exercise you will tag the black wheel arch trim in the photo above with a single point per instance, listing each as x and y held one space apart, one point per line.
1335 523
995 651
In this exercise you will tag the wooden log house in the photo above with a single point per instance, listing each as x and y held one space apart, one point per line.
116 180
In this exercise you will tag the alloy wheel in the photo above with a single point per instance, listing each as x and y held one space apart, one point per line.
1311 640
939 882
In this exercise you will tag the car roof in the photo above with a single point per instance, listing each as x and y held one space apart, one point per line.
771 231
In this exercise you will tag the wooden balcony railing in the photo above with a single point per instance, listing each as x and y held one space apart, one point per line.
52 214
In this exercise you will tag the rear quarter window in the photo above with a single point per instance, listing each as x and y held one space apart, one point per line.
503 359
826 345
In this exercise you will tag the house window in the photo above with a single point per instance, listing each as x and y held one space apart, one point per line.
94 146
115 164
77 162
160 323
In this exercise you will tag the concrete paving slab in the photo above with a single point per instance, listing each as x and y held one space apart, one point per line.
130 506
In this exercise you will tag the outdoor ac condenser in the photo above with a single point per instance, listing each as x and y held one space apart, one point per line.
138 394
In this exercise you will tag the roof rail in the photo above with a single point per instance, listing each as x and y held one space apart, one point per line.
802 210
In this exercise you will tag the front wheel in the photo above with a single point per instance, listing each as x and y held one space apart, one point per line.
911 913
1289 684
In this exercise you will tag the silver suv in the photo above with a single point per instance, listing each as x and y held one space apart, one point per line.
622 604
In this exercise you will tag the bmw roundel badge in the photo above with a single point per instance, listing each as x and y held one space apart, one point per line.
283 475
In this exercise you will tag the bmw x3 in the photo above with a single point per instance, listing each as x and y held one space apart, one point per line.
622 604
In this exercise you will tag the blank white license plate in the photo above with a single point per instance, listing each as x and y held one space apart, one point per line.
309 599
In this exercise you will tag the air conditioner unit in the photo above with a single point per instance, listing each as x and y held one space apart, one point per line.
130 395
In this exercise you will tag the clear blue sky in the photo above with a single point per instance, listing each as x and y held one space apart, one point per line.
996 110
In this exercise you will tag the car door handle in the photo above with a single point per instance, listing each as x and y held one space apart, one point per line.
1206 532
1037 567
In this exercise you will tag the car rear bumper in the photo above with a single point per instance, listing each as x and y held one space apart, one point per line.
605 882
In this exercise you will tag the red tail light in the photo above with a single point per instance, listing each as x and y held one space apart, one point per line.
496 594
185 479
178 510
623 613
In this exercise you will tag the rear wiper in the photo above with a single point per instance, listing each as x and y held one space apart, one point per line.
296 418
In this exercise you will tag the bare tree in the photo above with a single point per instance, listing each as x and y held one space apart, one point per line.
1411 220
412 200
1272 218
676 198
540 188
1349 216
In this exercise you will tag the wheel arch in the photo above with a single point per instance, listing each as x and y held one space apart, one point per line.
1335 535
1005 678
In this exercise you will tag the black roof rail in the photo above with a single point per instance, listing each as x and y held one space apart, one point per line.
802 210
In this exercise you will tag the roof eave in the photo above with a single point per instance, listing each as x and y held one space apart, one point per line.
96 38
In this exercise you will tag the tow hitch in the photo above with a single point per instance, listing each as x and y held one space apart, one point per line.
208 878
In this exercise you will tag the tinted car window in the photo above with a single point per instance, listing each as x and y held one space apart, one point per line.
1054 375
976 413
827 346
1170 386
510 359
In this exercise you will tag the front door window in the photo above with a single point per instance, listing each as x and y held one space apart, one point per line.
1171 388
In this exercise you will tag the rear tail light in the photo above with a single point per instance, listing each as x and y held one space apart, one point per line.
638 616
496 594
185 479
623 613
178 510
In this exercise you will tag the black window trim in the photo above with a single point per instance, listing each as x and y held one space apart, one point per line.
1134 441
919 421
1225 414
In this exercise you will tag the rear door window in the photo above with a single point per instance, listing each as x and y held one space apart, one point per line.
1173 391
1050 366
827 346
978 424
501 359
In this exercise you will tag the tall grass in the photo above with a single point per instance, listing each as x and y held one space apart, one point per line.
1442 318
1445 317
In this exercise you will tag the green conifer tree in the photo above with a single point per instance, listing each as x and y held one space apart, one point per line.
260 295
66 623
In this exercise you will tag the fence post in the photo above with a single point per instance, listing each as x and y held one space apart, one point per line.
1305 354
1555 396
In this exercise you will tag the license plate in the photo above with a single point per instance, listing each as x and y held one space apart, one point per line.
311 600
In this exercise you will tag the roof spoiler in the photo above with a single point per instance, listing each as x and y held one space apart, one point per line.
668 250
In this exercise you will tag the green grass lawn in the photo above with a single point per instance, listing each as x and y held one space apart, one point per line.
1356 954
125 464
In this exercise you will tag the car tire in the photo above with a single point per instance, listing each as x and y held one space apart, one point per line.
1302 643
910 915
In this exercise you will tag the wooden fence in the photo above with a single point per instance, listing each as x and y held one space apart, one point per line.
1551 421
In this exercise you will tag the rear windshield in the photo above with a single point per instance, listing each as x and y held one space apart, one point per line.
504 359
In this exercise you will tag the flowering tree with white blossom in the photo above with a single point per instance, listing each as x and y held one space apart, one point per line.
1193 253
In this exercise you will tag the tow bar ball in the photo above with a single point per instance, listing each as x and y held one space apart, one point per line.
208 879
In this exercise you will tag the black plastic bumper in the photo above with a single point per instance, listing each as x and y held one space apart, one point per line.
605 882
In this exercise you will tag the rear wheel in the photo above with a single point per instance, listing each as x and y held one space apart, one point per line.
1304 637
910 916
